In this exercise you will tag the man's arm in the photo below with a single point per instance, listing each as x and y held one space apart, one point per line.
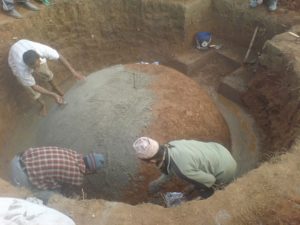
44 91
155 185
76 74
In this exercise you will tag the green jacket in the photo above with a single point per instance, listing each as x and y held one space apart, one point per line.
206 163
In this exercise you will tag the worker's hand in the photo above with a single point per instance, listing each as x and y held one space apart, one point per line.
79 76
188 189
153 187
59 100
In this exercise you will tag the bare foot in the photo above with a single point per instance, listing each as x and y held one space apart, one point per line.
59 99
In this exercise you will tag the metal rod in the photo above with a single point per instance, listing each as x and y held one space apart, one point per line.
134 75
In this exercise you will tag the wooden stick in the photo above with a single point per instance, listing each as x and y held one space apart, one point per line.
251 44
83 194
295 35
134 75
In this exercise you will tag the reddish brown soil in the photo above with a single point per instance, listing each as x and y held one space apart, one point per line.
286 212
273 100
250 198
182 111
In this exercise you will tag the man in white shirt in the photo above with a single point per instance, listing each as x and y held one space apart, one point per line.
27 60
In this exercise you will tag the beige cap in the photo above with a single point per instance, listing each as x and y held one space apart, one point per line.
145 148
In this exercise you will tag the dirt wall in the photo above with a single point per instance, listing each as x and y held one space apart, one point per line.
94 34
91 35
273 102
273 94
238 21
198 17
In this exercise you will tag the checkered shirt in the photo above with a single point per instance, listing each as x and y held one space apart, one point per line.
51 167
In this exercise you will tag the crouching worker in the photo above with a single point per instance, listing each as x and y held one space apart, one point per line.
27 60
53 168
204 165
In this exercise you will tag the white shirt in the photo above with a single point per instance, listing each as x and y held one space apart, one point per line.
14 211
17 65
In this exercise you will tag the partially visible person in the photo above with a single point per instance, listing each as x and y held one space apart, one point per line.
9 7
53 168
45 2
16 211
28 60
272 4
205 165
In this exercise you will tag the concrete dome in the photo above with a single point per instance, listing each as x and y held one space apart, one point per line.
116 105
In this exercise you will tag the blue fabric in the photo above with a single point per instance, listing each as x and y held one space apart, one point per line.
95 161
253 3
203 36
18 175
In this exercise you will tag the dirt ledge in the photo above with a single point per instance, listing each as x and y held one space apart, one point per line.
273 94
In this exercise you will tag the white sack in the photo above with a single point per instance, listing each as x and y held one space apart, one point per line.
15 211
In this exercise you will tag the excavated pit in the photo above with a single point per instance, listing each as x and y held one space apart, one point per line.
121 101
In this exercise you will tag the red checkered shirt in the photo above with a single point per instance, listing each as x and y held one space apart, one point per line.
51 167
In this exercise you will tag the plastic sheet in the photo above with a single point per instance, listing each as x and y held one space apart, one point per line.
173 199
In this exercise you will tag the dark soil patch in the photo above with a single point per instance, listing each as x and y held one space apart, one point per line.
273 100
290 4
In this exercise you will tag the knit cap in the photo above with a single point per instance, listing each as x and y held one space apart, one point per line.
145 148
95 161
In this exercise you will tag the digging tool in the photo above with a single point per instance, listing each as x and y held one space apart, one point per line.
297 40
295 35
134 82
251 44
